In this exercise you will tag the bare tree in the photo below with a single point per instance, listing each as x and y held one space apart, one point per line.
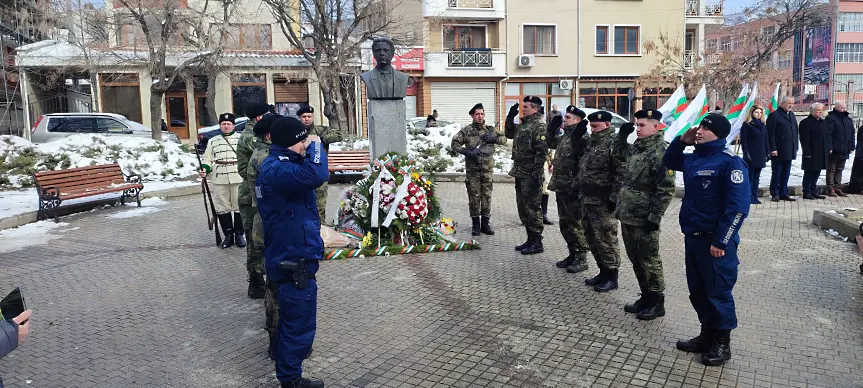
332 42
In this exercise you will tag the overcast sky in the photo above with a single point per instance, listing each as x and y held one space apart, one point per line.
732 6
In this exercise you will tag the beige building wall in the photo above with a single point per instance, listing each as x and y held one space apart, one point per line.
408 21
559 13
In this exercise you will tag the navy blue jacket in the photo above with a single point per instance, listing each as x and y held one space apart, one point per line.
717 194
756 149
842 135
285 191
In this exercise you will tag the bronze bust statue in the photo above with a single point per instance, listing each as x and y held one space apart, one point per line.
384 82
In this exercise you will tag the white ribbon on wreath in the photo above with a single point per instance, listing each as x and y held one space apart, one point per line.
401 193
376 195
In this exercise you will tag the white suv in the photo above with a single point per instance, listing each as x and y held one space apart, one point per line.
55 126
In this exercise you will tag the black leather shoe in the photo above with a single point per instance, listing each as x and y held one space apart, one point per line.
566 262
819 196
474 230
807 196
720 349
596 279
303 382
788 198
523 245
654 308
240 239
609 282
229 240
546 221
485 227
774 199
699 344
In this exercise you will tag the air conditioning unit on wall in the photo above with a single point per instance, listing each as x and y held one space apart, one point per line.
525 60
566 84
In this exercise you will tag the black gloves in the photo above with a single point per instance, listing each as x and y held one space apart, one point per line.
470 153
513 111
489 138
610 205
555 124
651 227
580 129
626 129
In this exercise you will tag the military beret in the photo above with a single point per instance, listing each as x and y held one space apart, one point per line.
255 110
534 99
649 114
573 110
265 124
475 107
227 117
305 109
288 131
599 115
718 124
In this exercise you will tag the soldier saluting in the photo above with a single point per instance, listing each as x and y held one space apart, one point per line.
476 142
570 146
220 163
327 135
647 190
529 151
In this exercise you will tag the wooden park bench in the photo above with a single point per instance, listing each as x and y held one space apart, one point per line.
348 160
54 187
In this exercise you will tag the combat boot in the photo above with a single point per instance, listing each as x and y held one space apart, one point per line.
474 230
699 344
596 279
720 349
238 231
227 223
655 307
524 244
580 263
271 350
639 303
608 283
257 287
566 262
240 239
535 245
485 227
303 382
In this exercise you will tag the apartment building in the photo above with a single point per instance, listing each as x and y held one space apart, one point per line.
848 67
15 30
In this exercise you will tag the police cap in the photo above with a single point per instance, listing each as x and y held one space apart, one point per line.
718 124
288 131
573 110
475 107
227 117
305 109
599 116
651 114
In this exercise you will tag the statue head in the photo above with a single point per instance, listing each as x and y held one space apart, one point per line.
383 50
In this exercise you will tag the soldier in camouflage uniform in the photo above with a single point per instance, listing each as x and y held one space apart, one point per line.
262 150
476 142
245 147
598 182
327 135
570 145
529 150
647 190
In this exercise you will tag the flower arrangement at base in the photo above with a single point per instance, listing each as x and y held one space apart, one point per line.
394 210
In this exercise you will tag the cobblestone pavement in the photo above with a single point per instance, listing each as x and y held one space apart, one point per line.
150 301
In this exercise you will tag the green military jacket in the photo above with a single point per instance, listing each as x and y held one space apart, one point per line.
568 152
326 134
262 150
469 137
244 152
529 148
598 179
647 185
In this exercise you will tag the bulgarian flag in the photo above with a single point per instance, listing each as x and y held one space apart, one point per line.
673 107
737 107
692 115
774 101
737 124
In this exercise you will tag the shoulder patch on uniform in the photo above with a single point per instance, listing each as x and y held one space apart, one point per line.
737 176
729 152
670 172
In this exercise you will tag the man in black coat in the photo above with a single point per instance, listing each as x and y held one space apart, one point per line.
855 186
843 145
816 143
783 137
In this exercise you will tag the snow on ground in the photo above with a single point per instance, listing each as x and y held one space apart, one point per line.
29 235
148 205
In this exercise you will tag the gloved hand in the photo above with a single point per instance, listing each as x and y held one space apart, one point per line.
555 124
513 111
651 227
580 129
489 138
627 128
470 153
610 205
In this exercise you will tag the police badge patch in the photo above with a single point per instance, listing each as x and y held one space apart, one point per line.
737 176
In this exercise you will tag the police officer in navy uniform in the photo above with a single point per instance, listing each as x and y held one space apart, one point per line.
714 207
285 193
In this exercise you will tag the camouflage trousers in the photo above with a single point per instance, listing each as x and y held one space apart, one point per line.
642 247
479 187
600 229
528 199
254 255
570 212
321 199
271 308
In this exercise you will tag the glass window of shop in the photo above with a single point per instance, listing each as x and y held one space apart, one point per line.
549 92
653 98
607 95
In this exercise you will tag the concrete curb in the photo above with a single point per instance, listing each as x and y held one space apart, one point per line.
846 227
30 217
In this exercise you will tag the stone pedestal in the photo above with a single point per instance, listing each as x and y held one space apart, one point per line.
387 131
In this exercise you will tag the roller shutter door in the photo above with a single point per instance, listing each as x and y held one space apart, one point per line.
297 91
453 100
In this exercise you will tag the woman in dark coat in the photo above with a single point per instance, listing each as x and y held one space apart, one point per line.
756 150
816 144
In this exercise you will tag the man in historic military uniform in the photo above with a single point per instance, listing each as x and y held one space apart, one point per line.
307 116
220 165
570 145
529 151
476 142
646 192
245 146
598 182
262 150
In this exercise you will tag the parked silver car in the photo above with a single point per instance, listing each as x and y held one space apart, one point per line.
55 126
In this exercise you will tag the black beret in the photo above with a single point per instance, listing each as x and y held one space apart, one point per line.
263 127
227 117
648 114
718 124
573 110
599 115
475 107
534 99
305 109
287 131
255 110
431 118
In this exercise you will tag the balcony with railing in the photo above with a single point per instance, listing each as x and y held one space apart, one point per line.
704 12
465 9
689 59
465 63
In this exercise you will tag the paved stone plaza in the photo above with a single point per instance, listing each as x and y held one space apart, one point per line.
149 301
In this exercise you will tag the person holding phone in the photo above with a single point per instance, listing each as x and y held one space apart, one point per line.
14 332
